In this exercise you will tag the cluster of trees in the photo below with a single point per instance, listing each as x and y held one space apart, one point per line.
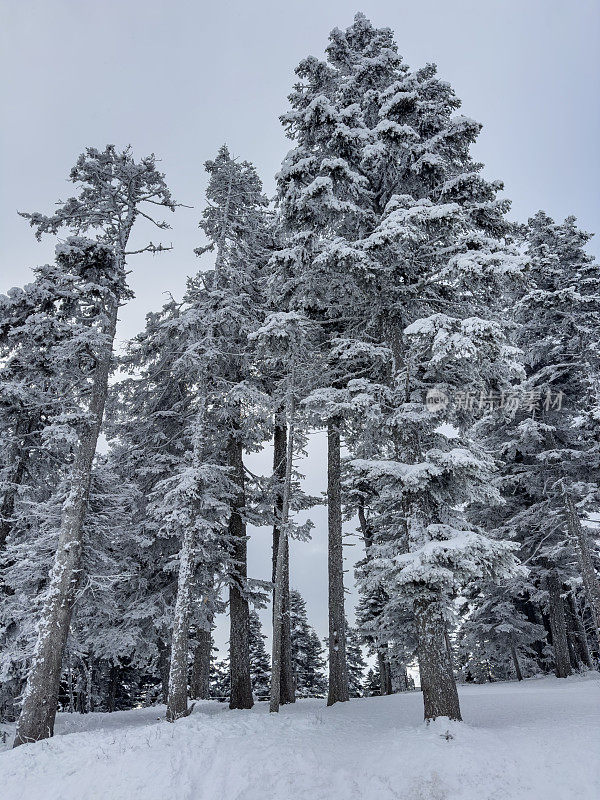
385 297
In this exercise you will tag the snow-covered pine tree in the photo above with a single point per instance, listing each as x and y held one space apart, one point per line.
285 343
430 249
103 635
309 666
194 502
497 635
40 384
560 319
548 445
325 206
227 305
356 662
372 684
149 427
114 190
260 663
33 381
220 680
101 632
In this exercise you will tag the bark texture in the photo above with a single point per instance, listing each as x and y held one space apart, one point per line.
280 572
579 634
239 613
562 660
517 666
338 669
200 682
275 694
178 673
440 696
287 688
40 699
591 584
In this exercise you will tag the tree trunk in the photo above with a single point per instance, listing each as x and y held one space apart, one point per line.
275 693
40 699
338 669
287 689
200 683
282 549
385 672
591 584
80 703
239 613
580 635
562 661
88 687
164 662
513 653
573 657
440 696
70 688
178 674
449 647
113 685
402 679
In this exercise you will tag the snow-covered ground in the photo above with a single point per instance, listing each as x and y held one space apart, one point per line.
538 740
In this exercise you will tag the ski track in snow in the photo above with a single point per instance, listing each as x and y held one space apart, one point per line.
538 740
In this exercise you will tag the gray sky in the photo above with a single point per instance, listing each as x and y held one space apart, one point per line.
179 78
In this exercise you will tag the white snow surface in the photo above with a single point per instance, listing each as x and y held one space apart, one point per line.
537 740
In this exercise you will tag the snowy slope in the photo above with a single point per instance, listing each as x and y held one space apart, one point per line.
538 740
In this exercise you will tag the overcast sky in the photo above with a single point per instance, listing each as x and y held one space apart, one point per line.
179 78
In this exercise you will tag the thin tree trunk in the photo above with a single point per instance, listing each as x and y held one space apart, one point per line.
239 613
338 669
513 653
280 572
571 644
562 661
200 683
40 699
591 584
178 674
80 689
275 693
579 632
382 665
164 662
113 685
88 687
440 696
70 688
288 693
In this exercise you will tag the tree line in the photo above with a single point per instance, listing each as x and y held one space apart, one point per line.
384 296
